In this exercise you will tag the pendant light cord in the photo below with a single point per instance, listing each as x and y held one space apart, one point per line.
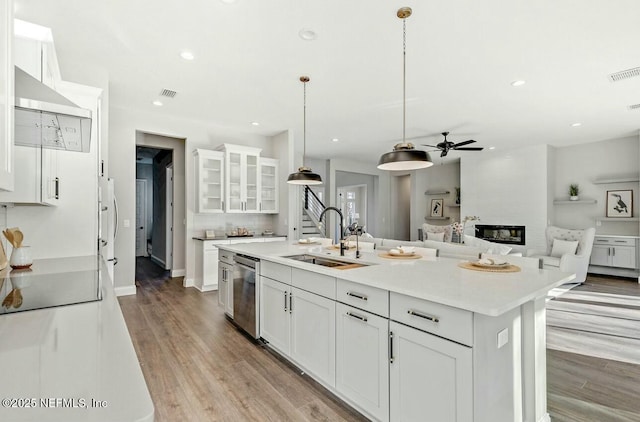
404 78
304 123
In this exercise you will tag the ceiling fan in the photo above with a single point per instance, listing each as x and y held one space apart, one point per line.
445 146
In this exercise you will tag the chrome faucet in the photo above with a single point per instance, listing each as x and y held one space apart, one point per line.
342 245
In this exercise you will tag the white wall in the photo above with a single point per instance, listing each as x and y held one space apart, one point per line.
582 164
508 187
124 123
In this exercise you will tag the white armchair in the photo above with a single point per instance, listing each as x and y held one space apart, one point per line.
564 255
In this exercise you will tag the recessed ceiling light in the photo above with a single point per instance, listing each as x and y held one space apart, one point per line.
576 124
255 123
492 148
335 139
518 83
157 103
307 34
187 55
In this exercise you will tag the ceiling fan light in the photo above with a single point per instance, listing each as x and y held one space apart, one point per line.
304 176
404 159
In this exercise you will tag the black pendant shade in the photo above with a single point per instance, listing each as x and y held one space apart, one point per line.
304 176
404 158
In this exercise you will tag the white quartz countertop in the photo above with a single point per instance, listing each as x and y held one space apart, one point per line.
438 279
71 363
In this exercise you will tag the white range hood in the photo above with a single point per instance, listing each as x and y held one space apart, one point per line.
45 118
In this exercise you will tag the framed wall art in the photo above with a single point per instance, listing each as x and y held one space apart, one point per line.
620 203
436 208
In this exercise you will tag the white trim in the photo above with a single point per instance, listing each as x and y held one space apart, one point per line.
207 288
178 273
545 418
168 228
188 282
157 260
125 290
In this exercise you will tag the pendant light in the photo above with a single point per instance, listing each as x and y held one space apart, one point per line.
404 155
304 175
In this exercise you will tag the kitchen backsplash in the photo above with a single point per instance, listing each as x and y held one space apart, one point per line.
224 223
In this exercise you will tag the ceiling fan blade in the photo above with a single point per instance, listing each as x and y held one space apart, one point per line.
444 153
469 149
432 146
459 144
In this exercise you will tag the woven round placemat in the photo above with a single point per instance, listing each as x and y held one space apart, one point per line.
506 269
407 256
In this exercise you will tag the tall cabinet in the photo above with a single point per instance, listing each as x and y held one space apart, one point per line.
241 175
6 95
210 181
269 203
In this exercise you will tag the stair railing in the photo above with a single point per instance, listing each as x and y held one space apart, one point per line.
313 207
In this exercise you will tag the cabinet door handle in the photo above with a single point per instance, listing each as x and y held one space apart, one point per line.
260 206
614 251
285 301
357 295
290 303
222 208
356 316
391 358
57 187
608 251
425 316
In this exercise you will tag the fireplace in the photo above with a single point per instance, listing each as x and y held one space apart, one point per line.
512 235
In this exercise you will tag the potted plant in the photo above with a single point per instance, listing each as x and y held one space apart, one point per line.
573 192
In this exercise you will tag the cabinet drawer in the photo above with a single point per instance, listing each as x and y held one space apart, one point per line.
614 241
364 297
278 272
225 256
319 284
442 320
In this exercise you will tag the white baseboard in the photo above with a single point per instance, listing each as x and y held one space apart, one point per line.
188 282
158 261
207 288
125 290
178 273
545 418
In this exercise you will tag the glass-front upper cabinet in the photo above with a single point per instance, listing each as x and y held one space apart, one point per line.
269 186
242 181
209 166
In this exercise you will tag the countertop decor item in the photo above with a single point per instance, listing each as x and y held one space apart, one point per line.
402 256
21 258
304 175
404 155
492 269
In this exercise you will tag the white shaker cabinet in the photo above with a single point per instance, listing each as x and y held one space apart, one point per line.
36 178
242 181
6 96
209 178
275 322
362 359
430 378
612 251
269 191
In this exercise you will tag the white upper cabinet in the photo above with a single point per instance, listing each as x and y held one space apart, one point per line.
241 178
269 191
6 96
36 56
209 176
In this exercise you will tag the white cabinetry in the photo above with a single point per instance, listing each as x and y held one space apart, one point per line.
6 96
209 176
614 252
225 282
269 192
241 178
429 376
36 178
206 269
362 359
275 322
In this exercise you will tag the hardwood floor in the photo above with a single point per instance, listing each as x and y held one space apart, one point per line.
593 352
199 367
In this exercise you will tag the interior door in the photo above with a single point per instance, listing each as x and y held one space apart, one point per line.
168 261
141 212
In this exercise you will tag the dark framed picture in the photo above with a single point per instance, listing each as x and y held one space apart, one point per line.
620 203
436 208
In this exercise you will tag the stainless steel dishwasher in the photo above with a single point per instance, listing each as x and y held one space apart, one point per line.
245 293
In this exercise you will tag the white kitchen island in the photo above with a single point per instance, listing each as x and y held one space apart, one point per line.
68 363
405 340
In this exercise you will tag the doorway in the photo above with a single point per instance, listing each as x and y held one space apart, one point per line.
352 201
154 208
401 206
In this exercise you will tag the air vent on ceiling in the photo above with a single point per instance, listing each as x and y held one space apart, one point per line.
168 93
625 74
634 107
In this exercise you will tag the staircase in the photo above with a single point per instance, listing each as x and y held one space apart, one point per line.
312 207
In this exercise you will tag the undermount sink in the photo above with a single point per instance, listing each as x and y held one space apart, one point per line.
326 262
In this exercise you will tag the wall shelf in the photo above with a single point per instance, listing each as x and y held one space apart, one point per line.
454 206
580 201
622 220
437 218
608 180
437 192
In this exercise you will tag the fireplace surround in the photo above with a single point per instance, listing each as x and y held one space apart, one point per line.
511 235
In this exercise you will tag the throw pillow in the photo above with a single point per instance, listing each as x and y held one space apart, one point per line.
561 247
438 237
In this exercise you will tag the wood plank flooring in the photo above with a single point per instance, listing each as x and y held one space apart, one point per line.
199 367
593 352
